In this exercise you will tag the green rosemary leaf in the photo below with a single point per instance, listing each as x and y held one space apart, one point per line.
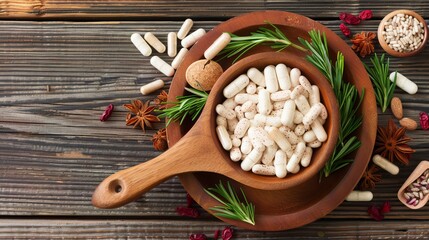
379 74
347 96
231 206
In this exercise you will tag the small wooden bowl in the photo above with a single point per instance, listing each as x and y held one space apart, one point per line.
383 42
420 169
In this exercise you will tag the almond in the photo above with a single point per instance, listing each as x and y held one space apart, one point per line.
396 106
408 123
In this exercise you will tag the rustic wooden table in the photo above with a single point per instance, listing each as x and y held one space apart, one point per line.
54 150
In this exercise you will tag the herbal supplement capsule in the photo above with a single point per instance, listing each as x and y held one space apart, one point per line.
225 112
141 44
264 105
283 77
281 95
272 84
309 136
294 76
265 170
288 113
236 86
314 97
251 88
280 164
312 114
359 196
154 42
236 142
298 90
192 38
246 145
223 136
260 133
235 154
280 139
179 58
185 28
306 157
217 46
315 144
305 83
152 86
251 159
319 131
404 83
221 121
241 128
296 170
256 76
302 104
162 66
297 118
232 123
247 106
241 98
172 44
273 121
385 164
229 103
268 155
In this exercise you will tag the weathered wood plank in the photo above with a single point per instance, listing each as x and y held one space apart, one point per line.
116 9
54 150
158 229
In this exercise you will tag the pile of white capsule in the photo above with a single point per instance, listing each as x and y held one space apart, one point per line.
271 120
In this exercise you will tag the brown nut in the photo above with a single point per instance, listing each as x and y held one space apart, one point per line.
202 74
408 123
396 106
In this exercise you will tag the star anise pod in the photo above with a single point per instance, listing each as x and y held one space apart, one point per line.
162 97
391 143
140 114
369 178
159 140
362 43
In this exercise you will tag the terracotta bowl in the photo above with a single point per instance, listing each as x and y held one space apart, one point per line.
383 42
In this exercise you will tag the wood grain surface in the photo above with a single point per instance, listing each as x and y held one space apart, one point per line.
54 150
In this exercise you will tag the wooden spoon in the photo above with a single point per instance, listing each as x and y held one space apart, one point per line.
420 169
200 149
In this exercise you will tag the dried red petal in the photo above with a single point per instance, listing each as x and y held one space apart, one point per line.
216 234
385 208
349 18
375 213
189 200
198 236
365 15
424 121
227 233
188 212
346 31
106 114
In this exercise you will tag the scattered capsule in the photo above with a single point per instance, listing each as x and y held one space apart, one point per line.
185 28
217 46
172 44
179 58
141 44
162 66
385 164
404 83
359 196
192 38
152 86
154 42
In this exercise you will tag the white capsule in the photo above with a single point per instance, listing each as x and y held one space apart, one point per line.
192 38
315 144
265 170
241 98
283 77
185 28
288 113
236 86
152 87
291 136
235 154
297 91
264 105
247 106
236 142
278 105
305 83
238 112
297 118
306 157
254 139
223 136
323 113
309 136
225 112
246 145
281 95
296 157
162 66
268 155
256 76
241 128
312 114
229 103
217 46
179 58
251 159
260 133
232 123
154 42
404 83
272 84
172 44
221 121
141 44
302 104
296 170
385 164
319 131
359 196
299 130
273 121
250 114
294 76
251 88
280 162
280 139
314 97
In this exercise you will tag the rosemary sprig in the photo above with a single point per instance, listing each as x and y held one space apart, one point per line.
187 105
379 74
347 97
231 207
239 45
